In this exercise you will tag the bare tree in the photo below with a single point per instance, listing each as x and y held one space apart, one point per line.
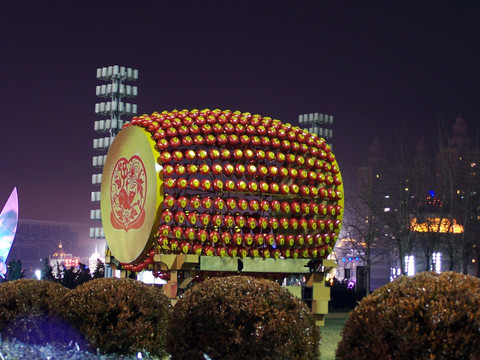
401 206
416 202
458 185
363 225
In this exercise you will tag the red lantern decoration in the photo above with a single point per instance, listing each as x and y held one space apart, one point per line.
277 167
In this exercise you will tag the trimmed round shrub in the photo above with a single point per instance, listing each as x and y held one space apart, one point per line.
29 313
428 316
121 316
241 317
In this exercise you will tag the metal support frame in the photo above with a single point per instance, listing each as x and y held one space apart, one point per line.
315 293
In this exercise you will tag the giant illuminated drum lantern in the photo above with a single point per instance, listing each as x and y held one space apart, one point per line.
219 184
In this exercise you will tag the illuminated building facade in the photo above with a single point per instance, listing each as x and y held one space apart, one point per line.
92 260
60 259
436 224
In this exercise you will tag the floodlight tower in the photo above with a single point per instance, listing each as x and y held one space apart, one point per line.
317 124
115 92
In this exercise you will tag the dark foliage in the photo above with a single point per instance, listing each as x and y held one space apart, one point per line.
99 271
120 316
72 277
47 271
428 316
241 317
15 270
28 312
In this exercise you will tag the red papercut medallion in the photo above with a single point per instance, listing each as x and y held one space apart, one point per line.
128 193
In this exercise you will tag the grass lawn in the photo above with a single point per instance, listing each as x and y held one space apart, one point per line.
331 334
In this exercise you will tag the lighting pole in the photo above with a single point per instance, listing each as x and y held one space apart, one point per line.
112 109
317 124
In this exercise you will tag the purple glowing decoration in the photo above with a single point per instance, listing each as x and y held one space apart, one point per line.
8 228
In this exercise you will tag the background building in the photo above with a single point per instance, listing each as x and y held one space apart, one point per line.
414 209
61 259
36 240
112 110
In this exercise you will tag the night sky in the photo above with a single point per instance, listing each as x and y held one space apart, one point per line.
386 68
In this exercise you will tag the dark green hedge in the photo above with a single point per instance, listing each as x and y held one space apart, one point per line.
122 316
241 317
428 316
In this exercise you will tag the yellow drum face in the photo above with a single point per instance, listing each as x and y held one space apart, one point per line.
131 194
